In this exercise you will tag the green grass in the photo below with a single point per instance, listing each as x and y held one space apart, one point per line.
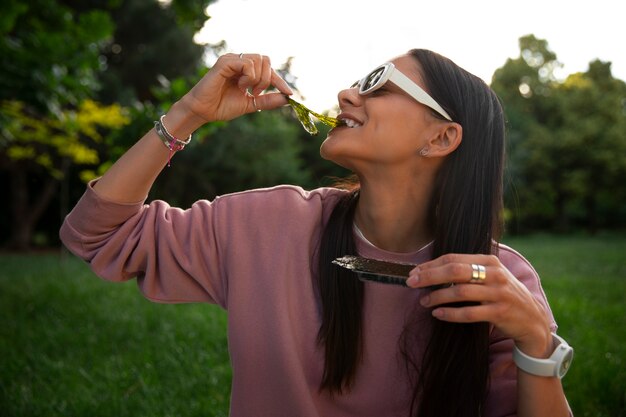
585 281
73 345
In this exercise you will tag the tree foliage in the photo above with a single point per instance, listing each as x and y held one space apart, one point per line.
44 143
49 54
49 59
55 56
33 145
566 142
151 44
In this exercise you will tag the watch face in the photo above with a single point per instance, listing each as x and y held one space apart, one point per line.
566 362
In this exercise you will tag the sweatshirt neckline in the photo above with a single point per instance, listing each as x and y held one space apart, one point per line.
368 249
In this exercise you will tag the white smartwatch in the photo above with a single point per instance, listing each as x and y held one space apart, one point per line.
556 365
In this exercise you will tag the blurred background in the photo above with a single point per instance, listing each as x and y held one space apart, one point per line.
80 81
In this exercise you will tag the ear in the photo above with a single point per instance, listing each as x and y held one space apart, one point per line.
446 139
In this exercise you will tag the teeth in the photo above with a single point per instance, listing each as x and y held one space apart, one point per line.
351 123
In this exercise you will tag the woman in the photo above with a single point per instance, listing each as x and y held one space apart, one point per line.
305 337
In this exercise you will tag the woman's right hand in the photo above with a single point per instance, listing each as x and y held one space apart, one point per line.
222 94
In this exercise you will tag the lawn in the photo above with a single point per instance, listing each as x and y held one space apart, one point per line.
72 345
585 281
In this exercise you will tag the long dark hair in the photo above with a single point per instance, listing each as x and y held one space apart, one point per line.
451 379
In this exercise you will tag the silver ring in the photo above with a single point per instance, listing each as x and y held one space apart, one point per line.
254 103
241 55
479 273
253 100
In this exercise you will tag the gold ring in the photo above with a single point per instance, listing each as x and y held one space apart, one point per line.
479 273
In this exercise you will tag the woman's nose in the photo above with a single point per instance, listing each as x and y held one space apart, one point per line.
349 97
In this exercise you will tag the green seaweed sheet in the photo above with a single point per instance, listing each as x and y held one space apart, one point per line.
305 116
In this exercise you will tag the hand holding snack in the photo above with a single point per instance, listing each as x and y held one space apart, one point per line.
233 87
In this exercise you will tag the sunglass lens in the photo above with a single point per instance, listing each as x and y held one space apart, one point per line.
372 79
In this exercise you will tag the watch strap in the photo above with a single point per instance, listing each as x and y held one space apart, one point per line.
556 365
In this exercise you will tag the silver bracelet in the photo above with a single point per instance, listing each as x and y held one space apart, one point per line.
170 142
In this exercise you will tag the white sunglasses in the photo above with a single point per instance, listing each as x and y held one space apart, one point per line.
388 72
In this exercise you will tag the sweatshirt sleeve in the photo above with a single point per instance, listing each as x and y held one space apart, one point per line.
173 253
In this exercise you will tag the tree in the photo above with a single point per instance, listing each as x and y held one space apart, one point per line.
49 55
558 179
49 61
46 146
594 124
151 44
53 54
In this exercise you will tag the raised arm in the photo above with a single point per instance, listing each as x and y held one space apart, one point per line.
222 94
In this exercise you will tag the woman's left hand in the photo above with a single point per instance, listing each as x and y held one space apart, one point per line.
502 299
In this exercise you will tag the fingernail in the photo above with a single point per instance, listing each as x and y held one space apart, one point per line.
425 300
413 280
438 313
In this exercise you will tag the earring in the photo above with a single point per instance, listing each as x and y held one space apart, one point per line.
423 151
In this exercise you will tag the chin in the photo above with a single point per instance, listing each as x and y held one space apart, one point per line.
332 150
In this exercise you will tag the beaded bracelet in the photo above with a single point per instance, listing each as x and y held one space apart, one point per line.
170 141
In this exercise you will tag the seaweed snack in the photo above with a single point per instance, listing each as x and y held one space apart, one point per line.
375 270
306 115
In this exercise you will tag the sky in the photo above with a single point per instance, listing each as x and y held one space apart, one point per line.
335 42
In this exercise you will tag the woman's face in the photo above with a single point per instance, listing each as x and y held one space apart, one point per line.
388 126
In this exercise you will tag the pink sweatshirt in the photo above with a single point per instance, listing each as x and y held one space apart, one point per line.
255 254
